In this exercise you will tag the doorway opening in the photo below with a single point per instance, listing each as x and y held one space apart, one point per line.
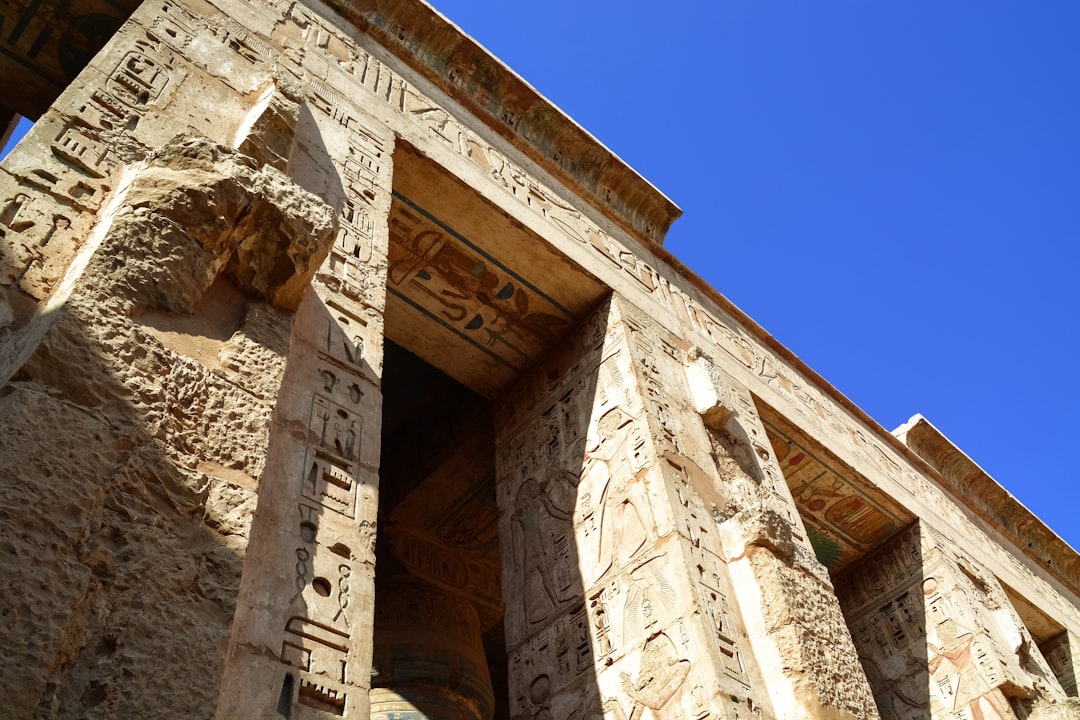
439 644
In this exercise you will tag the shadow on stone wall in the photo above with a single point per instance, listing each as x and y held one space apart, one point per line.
132 443
547 428
939 637
882 597
465 499
130 476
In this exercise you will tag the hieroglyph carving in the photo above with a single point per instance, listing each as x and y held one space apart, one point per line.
1063 655
937 635
336 73
611 540
89 137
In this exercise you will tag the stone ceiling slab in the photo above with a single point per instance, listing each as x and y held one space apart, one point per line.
469 289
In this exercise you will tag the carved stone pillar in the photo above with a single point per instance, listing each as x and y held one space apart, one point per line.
301 640
1063 654
617 599
938 636
429 655
798 633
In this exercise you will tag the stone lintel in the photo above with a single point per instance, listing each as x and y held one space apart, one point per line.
446 56
975 488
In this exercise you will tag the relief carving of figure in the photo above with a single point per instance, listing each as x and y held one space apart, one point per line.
544 589
659 678
959 673
614 464
650 597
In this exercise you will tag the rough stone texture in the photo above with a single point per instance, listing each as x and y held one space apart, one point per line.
133 561
802 617
800 632
204 244
1067 710
268 237
148 583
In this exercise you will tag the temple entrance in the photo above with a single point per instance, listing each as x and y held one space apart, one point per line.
438 601
473 300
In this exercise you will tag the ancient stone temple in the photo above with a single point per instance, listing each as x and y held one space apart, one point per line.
342 375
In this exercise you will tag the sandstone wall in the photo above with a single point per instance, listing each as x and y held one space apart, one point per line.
194 263
135 435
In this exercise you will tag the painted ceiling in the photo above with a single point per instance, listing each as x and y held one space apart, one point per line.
845 516
469 290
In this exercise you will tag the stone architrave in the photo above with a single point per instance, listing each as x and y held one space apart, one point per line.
197 242
618 598
798 633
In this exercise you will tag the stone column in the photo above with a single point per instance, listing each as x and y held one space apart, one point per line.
430 655
618 602
301 640
1063 654
146 288
938 636
797 631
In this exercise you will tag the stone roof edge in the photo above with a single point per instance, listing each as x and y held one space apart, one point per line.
446 56
970 483
1066 568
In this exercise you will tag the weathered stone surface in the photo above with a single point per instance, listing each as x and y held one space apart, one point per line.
266 233
139 556
581 473
1064 710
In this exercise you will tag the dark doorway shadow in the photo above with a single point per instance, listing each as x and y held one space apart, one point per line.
460 507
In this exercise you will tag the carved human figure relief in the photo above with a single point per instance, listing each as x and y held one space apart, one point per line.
661 675
614 460
539 525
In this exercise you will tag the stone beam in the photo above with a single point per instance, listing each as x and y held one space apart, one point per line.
459 66
974 487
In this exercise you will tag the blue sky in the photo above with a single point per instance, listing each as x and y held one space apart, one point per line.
892 189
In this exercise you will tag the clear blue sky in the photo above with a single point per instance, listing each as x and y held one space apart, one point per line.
890 188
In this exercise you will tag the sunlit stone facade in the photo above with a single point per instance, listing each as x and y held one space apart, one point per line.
342 375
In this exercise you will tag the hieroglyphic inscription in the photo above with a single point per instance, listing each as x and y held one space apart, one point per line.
592 478
919 614
316 642
1062 655
89 137
341 74
539 468
26 229
446 569
85 140
333 69
658 362
364 171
